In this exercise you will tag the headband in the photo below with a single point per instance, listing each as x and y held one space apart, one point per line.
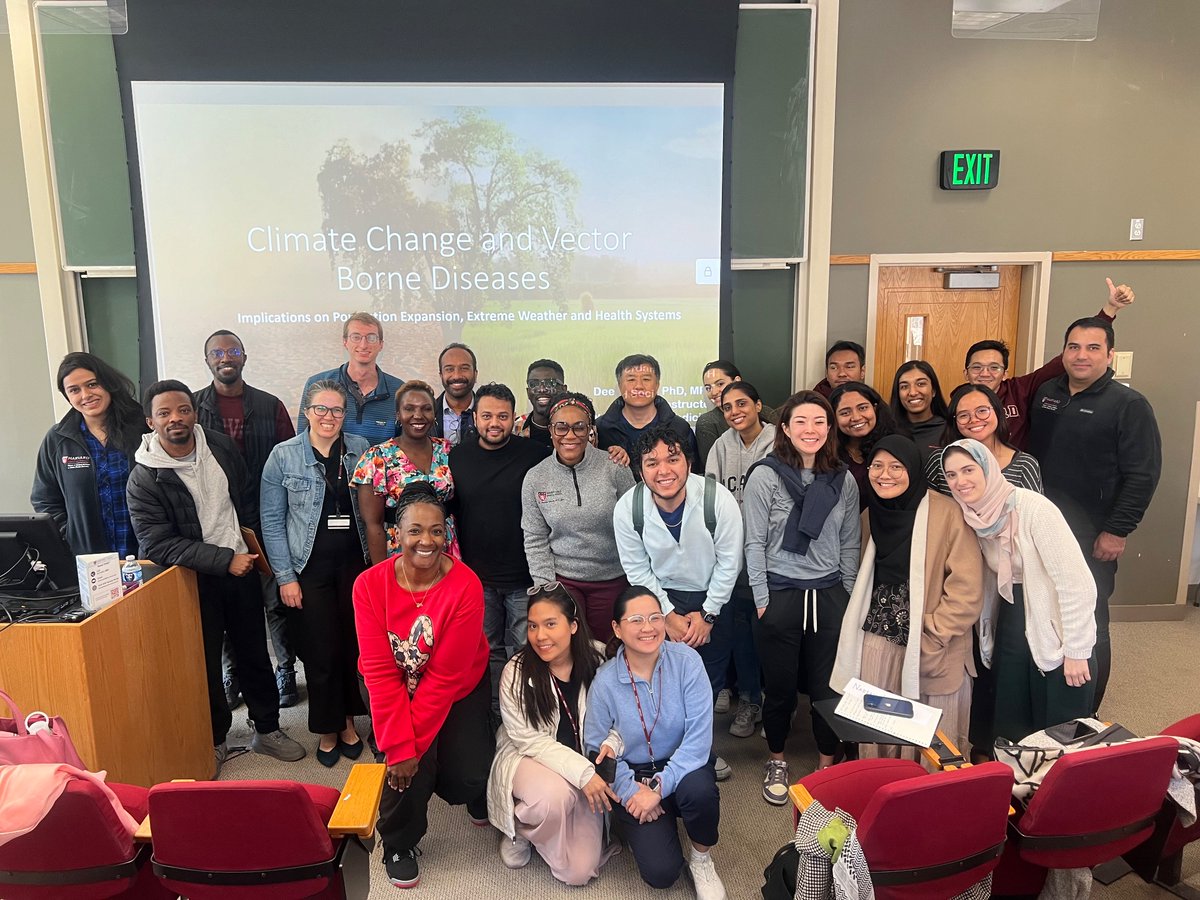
570 401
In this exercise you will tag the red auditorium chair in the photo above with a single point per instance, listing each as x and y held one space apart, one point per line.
80 851
1092 806
265 840
924 835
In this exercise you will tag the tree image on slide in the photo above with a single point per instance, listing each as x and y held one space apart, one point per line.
471 178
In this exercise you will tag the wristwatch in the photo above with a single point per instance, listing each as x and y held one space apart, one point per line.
708 617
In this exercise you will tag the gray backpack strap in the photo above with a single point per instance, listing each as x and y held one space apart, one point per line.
639 514
710 506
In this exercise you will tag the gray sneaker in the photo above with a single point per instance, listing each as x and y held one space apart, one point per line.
723 702
776 782
278 745
747 719
723 770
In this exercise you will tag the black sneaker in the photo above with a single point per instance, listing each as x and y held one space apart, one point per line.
288 693
401 866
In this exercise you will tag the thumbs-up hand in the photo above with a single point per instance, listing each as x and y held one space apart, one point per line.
1119 295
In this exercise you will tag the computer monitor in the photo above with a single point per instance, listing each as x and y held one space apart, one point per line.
28 542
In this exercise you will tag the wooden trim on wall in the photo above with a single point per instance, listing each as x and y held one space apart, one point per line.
18 268
864 259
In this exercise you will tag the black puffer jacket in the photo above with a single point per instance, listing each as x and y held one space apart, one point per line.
165 518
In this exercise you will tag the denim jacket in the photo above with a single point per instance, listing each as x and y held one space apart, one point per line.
292 494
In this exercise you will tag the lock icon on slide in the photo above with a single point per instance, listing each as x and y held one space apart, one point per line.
707 271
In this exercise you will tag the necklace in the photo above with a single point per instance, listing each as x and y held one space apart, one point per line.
408 587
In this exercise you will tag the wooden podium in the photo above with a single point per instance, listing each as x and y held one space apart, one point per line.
129 681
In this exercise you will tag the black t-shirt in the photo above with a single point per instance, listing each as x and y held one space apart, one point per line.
331 547
569 691
487 500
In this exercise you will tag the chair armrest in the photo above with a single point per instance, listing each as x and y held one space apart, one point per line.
142 835
801 798
358 806
942 753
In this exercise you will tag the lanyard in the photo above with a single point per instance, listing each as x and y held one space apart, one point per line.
567 710
335 452
638 700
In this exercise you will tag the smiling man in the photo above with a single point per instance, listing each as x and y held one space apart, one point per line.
370 404
1101 457
189 495
255 421
454 409
488 474
680 535
544 381
639 409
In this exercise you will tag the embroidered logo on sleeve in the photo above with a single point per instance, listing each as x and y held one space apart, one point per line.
412 654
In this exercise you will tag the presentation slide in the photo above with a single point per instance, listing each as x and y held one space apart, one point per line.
578 222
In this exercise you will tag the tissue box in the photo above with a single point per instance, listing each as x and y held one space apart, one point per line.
99 579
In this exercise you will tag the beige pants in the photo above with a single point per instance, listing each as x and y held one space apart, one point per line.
554 816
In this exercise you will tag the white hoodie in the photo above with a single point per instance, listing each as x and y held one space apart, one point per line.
205 480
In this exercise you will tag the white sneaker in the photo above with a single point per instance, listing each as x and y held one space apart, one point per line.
776 782
705 877
723 702
724 771
515 853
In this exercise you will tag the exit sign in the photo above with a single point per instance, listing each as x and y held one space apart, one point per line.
970 170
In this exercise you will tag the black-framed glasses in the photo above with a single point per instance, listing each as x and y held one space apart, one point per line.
371 338
562 429
217 354
320 410
982 413
543 384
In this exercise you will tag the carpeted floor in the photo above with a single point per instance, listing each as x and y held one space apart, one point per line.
1157 668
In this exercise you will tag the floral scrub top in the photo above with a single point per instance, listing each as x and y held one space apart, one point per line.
387 469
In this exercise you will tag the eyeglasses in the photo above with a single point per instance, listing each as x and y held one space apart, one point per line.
217 355
990 368
321 411
548 587
982 413
580 429
359 338
876 468
639 621
543 384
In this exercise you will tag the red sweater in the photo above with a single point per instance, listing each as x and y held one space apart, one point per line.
417 662
1016 395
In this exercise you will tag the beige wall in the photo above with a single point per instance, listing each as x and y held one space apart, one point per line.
1090 134
22 345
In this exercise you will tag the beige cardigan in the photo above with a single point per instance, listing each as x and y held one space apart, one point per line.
945 595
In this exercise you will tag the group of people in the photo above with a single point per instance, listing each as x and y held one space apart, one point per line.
542 613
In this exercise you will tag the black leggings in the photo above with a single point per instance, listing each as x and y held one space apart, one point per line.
455 767
789 650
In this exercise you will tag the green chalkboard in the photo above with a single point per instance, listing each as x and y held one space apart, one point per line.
90 160
763 314
769 154
110 313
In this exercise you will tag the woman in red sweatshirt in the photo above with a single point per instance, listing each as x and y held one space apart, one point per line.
423 659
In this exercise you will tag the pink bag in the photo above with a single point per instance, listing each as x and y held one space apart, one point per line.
47 745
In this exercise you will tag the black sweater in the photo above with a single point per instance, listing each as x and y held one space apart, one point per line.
1100 452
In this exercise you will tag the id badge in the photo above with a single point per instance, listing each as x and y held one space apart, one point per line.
338 523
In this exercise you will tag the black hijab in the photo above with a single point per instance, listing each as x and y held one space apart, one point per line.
892 520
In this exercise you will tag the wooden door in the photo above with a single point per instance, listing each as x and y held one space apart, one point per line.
917 318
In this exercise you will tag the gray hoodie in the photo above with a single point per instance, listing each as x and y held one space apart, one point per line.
205 480
567 517
729 459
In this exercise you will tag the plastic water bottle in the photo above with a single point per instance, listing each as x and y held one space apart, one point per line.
131 575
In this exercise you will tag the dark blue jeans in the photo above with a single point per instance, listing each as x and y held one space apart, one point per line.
717 651
745 654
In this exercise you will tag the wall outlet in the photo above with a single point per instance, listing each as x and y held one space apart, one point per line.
1137 229
1123 364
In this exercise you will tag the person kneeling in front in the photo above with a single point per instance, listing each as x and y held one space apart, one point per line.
543 791
423 660
656 695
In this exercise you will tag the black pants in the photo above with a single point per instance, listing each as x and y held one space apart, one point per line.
455 767
234 606
655 845
789 651
1105 576
1027 699
719 649
278 626
327 642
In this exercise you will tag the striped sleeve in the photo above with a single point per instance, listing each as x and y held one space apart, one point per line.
1024 472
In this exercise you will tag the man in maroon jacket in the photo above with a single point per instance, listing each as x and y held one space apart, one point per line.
987 365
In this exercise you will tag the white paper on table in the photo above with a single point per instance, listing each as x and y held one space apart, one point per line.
917 731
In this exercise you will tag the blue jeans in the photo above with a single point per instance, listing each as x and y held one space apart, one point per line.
504 613
716 652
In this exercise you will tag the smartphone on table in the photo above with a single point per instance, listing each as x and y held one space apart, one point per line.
889 706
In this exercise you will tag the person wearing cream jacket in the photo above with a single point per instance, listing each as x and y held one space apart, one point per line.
918 593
